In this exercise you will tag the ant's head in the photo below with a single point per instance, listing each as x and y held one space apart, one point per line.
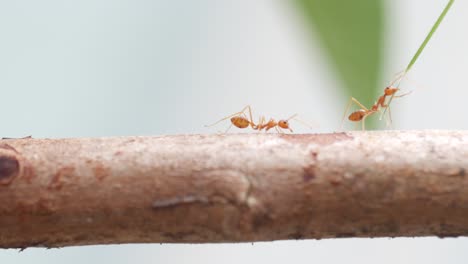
283 124
389 91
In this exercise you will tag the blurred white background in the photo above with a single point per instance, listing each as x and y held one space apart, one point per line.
108 68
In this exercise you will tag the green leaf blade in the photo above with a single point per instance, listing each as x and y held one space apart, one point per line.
352 33
429 36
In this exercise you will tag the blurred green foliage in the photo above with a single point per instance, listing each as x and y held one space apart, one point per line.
352 32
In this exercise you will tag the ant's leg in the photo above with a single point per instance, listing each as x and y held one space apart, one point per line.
304 123
405 94
390 100
386 107
294 117
364 119
389 116
345 112
358 103
417 85
413 82
252 124
227 117
261 121
351 100
398 77
280 130
228 128
291 117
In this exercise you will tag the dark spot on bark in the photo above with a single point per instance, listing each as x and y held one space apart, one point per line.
28 171
82 238
364 230
314 155
319 139
445 235
335 182
9 168
179 236
23 211
457 172
296 236
57 180
100 172
309 173
259 220
12 164
43 207
392 227
39 207
444 227
345 234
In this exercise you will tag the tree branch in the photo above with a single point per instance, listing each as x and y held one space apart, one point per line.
232 188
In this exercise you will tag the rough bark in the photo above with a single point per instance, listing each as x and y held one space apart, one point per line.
232 188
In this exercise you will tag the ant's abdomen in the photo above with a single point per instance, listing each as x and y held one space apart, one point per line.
240 122
357 116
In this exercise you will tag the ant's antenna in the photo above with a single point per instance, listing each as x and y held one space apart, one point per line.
294 117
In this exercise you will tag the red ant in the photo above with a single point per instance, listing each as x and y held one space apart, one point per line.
281 124
241 121
363 113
